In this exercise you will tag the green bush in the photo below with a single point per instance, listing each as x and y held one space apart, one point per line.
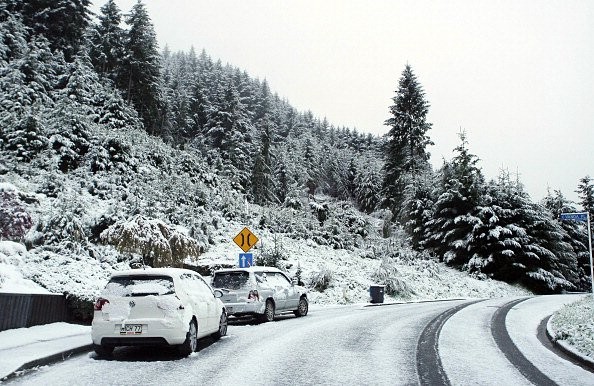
80 310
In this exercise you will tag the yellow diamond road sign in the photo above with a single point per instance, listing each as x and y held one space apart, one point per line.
245 239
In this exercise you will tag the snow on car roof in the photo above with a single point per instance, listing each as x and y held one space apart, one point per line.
250 269
153 271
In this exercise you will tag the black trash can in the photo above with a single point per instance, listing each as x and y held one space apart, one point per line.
377 293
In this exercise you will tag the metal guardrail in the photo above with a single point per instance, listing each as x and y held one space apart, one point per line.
26 310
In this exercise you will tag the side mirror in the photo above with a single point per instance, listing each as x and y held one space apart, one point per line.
294 281
218 293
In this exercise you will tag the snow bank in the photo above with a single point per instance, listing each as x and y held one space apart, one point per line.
11 276
22 336
574 323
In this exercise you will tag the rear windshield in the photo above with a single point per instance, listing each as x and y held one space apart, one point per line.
231 280
140 285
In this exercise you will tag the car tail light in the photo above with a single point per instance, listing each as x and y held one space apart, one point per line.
100 303
253 295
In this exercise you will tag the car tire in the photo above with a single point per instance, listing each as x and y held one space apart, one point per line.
191 343
302 308
268 315
103 351
223 322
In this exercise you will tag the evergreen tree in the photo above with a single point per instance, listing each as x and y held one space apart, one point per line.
106 43
549 261
230 133
459 195
576 235
418 209
368 184
407 139
519 241
311 167
262 183
62 22
585 193
26 139
142 69
281 187
13 36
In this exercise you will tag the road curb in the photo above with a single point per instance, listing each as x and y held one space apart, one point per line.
50 359
568 349
414 302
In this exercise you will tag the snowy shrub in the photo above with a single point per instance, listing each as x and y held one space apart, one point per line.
112 153
321 279
80 308
116 114
100 224
11 253
15 221
320 210
387 223
387 275
26 139
274 256
50 185
70 141
299 274
64 220
229 202
157 242
99 159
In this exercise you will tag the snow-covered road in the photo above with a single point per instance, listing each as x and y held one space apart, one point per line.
339 345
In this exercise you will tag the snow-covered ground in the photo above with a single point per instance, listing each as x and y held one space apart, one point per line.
11 270
574 324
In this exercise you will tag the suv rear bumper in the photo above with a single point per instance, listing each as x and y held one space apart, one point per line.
239 309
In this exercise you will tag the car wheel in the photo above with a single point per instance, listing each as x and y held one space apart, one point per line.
268 315
191 343
302 308
223 322
103 351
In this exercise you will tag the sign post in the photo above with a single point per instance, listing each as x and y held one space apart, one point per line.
245 240
246 260
583 216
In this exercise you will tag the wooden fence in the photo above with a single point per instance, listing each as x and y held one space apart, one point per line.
26 310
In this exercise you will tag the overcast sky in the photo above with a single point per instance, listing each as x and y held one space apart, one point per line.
518 76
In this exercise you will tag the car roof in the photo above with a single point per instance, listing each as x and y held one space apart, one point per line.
250 269
154 271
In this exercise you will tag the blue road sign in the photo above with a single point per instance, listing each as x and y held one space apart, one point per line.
574 216
246 260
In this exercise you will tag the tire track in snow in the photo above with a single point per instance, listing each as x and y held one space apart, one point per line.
511 351
429 366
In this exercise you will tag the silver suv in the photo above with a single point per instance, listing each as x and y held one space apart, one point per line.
260 291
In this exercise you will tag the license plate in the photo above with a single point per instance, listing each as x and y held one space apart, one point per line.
131 329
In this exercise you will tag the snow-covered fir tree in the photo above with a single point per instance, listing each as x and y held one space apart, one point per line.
406 153
106 43
585 191
458 196
141 78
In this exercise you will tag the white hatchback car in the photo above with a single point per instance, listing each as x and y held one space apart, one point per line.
260 291
157 306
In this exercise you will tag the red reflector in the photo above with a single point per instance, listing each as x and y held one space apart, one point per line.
254 295
100 303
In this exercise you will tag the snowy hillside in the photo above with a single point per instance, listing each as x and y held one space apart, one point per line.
82 268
